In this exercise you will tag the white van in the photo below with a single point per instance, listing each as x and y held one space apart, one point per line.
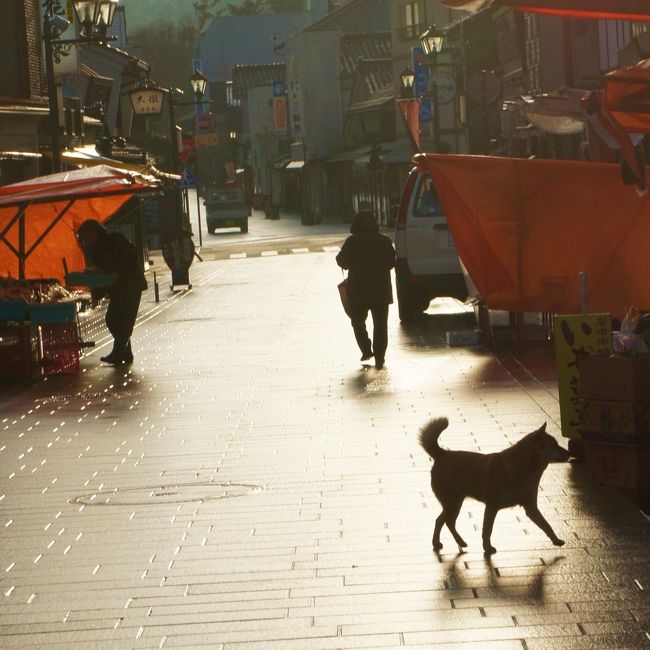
427 262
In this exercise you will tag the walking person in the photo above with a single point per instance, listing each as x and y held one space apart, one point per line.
368 256
113 253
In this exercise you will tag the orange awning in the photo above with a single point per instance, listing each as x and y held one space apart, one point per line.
525 229
39 217
595 9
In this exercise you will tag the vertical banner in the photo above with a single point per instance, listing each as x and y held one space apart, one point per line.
576 337
279 107
296 111
421 82
410 111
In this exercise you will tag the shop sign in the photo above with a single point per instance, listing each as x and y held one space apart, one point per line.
576 337
207 139
147 101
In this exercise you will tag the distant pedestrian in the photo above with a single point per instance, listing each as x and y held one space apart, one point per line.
368 256
113 253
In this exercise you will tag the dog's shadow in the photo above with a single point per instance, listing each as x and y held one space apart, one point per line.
457 575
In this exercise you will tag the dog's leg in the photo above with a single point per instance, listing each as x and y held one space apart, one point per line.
538 518
450 520
488 523
435 541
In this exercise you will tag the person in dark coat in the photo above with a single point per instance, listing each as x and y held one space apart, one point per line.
368 256
113 253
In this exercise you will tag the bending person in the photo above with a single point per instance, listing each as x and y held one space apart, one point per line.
113 253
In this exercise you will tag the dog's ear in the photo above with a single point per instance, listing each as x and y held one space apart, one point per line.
543 428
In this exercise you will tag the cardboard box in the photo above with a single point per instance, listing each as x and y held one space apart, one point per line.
625 466
615 378
626 421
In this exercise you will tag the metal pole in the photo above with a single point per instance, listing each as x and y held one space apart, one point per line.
196 171
436 115
53 99
172 132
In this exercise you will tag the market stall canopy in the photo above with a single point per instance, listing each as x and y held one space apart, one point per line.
39 217
596 9
525 229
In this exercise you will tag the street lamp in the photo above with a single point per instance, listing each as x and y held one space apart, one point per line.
432 42
91 14
407 77
94 15
199 83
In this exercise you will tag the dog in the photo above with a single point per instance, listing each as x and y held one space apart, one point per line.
500 480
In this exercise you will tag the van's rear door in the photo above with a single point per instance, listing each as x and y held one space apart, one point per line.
430 248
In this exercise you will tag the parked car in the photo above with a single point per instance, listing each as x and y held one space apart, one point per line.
427 262
226 208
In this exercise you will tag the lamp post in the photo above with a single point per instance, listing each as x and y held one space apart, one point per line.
432 42
94 16
199 83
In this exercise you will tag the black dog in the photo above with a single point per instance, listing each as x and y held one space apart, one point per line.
500 480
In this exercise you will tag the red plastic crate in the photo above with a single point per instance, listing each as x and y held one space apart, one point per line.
59 347
15 352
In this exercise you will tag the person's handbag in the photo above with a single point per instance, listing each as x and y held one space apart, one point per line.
343 294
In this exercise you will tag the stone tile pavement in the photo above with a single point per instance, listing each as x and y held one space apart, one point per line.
248 485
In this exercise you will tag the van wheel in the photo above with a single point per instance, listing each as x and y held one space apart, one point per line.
408 307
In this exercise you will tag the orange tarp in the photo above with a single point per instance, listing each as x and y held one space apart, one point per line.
94 193
525 229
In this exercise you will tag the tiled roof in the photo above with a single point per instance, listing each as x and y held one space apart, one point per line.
249 76
375 45
377 74
373 85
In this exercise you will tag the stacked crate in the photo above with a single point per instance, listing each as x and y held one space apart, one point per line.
615 421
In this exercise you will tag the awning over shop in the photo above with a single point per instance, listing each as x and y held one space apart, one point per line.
39 217
88 156
596 9
525 229
389 153
295 164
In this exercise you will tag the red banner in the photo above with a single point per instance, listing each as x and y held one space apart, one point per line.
187 150
410 111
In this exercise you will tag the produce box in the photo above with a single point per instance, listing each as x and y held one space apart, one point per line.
615 378
53 312
13 310
93 279
15 352
620 465
622 420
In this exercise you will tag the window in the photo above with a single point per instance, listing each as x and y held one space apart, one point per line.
410 17
427 203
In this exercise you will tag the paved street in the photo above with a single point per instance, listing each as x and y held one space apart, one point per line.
247 484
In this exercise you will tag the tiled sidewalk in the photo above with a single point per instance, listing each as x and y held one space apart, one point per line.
116 531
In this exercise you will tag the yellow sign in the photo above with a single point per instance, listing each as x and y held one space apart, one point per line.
206 139
577 336
69 10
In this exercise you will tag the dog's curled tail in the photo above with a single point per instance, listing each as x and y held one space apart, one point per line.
430 433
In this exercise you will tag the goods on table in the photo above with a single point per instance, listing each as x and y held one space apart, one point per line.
38 327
